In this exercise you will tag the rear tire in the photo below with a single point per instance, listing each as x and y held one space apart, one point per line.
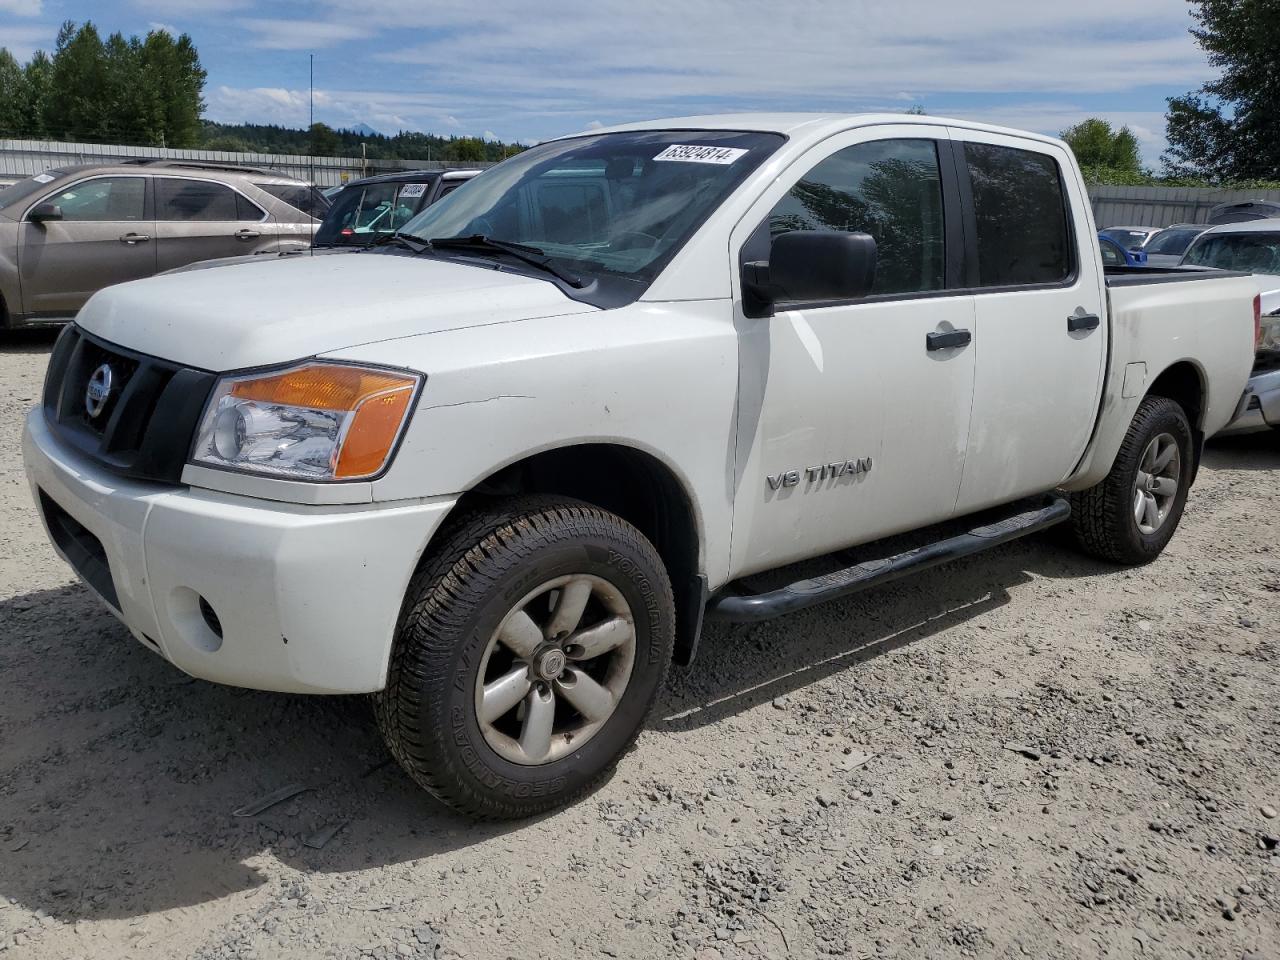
1131 515
531 647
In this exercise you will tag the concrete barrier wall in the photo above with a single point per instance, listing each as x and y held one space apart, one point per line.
22 158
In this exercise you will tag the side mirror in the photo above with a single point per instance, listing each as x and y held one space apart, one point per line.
45 211
807 265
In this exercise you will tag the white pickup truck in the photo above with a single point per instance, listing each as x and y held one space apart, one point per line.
495 471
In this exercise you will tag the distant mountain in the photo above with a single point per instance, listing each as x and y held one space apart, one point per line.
363 130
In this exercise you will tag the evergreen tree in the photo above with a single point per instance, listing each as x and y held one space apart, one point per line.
13 95
1230 128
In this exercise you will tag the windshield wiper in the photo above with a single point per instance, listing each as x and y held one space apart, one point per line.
406 240
530 255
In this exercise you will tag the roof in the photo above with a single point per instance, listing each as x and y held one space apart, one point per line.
413 176
1269 225
797 124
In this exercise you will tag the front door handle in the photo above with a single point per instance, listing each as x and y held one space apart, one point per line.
132 238
1083 321
952 338
247 234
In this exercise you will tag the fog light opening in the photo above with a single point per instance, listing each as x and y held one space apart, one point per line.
210 618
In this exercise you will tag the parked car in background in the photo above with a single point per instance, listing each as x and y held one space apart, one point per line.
69 232
1114 255
496 471
1252 246
367 210
1244 211
1165 248
1131 238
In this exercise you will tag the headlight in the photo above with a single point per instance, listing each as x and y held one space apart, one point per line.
316 421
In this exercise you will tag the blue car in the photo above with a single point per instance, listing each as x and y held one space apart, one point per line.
1114 255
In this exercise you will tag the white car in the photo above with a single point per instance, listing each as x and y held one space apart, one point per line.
1165 248
497 470
1251 246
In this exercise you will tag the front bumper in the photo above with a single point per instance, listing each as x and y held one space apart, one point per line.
304 599
1259 407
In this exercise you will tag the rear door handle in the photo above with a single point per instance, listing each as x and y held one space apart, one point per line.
247 234
952 338
132 238
1083 321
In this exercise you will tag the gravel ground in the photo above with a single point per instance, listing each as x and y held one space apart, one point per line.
1024 754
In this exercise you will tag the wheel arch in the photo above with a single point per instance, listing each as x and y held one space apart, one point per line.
635 484
1184 382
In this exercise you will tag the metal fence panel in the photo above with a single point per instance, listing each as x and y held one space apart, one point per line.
22 158
1161 206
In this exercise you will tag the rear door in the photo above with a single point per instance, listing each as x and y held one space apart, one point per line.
205 220
105 236
1040 303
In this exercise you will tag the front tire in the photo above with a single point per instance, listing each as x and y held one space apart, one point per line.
1131 515
531 647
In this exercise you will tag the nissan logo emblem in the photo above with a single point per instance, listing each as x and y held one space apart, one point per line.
98 391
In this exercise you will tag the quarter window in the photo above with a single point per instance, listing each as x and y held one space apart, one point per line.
890 189
1021 213
195 200
105 198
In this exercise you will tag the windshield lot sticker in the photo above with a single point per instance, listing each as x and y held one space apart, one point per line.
694 153
413 189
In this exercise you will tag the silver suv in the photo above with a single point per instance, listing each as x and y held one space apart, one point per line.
69 232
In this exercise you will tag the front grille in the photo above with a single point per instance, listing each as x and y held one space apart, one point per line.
144 427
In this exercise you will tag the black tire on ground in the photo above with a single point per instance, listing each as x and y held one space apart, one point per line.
486 564
1103 518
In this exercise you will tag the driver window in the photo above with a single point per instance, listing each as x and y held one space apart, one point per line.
103 199
891 189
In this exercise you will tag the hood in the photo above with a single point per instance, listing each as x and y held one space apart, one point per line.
255 314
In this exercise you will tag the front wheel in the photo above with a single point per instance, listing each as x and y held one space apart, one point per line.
1131 515
531 648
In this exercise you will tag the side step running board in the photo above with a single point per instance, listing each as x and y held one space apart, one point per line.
872 573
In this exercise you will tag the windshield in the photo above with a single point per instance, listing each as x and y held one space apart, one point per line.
1129 239
17 192
1171 242
1246 252
364 212
613 207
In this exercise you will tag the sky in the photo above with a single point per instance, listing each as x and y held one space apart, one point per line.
524 71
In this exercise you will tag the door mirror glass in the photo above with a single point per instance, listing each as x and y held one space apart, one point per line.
813 265
45 211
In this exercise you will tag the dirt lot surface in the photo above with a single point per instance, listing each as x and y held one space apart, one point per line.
1024 754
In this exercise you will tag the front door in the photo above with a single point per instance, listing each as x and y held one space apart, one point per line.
1040 302
853 417
104 236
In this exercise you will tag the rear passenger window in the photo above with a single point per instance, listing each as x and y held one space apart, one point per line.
194 200
246 209
1021 211
890 189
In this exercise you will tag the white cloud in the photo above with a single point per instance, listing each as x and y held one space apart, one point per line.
190 8
22 42
464 67
21 8
301 34
164 27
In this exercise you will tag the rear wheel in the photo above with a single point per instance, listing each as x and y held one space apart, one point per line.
531 649
1131 515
